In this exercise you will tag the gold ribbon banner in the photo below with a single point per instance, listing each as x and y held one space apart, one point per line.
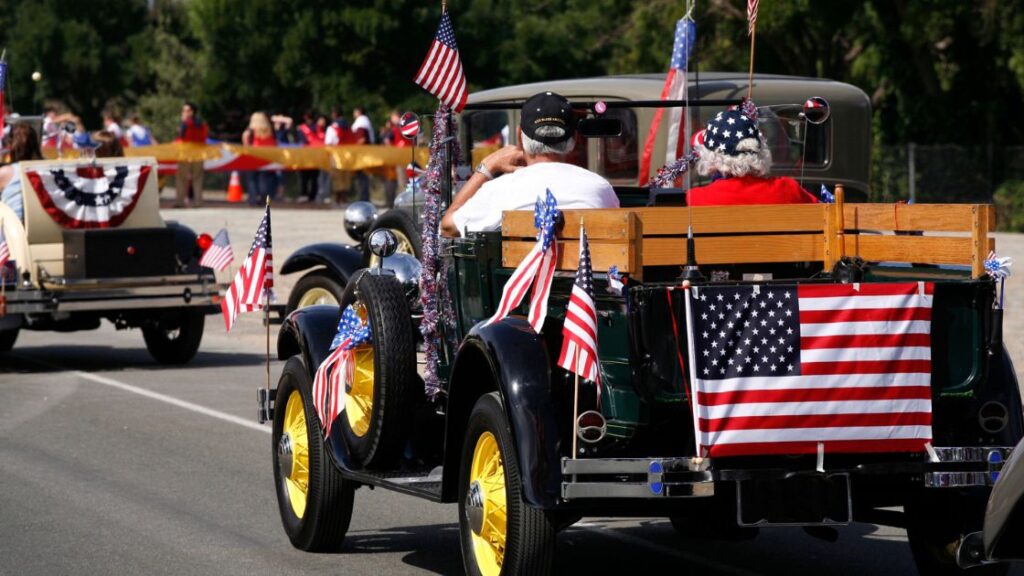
345 158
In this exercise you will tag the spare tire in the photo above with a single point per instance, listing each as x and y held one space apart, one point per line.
382 387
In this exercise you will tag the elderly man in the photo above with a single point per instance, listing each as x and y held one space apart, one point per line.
735 156
546 135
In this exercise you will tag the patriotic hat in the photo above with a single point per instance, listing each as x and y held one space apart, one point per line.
727 129
548 109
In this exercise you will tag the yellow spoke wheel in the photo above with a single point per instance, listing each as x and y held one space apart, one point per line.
315 296
297 477
359 394
487 477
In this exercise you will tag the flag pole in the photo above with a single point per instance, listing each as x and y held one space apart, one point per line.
750 75
266 307
575 400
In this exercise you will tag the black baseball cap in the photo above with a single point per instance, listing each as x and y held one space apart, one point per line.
548 109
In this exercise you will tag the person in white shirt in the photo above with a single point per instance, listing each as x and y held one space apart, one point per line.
546 135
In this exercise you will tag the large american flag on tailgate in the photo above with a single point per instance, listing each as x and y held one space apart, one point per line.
779 369
254 280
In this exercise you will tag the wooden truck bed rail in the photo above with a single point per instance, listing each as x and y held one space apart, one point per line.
632 238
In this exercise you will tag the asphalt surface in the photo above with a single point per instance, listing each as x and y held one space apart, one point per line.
113 464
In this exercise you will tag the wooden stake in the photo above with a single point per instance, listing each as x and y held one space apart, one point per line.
750 76
266 304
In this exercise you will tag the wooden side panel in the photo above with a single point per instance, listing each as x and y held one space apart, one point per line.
672 251
611 223
917 249
908 217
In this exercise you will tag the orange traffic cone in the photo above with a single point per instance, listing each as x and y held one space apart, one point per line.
235 188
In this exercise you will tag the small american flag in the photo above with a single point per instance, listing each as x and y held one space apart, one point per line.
579 333
441 73
218 255
5 251
333 373
254 280
751 16
779 369
537 268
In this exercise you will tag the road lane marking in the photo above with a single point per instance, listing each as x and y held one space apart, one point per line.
198 409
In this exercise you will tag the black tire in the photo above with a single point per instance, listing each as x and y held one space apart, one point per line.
323 522
397 388
175 338
530 534
7 338
319 283
936 521
404 227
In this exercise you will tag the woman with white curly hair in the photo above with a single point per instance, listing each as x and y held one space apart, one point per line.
736 157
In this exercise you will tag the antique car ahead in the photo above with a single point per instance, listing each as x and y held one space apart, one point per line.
837 153
93 246
894 387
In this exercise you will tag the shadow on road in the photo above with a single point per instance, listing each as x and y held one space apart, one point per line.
88 358
432 547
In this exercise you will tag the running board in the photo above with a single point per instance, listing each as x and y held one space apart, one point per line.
420 483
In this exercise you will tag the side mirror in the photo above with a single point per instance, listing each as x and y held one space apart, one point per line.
816 110
383 243
599 127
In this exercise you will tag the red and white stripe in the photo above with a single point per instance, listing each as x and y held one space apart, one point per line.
217 257
579 337
5 252
864 383
329 386
520 281
442 75
751 16
542 288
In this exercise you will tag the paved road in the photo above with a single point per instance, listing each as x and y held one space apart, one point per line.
111 464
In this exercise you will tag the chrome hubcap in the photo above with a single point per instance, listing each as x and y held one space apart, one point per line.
285 455
475 507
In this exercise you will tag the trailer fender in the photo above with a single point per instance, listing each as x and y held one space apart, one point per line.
340 260
509 357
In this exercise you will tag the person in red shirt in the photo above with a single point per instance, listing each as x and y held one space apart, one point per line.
190 174
734 154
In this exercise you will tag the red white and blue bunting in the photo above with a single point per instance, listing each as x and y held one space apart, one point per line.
89 196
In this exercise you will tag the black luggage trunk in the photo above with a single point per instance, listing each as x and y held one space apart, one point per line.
118 253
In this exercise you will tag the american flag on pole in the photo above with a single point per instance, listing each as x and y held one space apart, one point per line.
219 254
441 73
537 268
579 333
675 88
334 372
783 369
254 280
751 16
3 89
5 250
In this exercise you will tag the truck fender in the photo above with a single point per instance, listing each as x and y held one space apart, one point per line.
185 246
340 260
509 357
308 331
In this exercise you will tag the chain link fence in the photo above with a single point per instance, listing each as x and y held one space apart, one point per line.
951 174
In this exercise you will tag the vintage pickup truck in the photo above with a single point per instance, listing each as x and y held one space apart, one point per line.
92 246
905 395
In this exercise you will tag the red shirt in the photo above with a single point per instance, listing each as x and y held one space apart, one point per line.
193 131
264 140
749 190
314 135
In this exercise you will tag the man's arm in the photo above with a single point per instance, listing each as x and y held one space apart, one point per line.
507 159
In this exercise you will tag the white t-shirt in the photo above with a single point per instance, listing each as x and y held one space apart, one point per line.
363 122
573 187
115 129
